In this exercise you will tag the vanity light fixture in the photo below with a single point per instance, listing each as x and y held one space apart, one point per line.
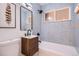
27 5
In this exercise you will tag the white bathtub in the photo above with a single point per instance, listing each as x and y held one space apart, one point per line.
52 49
10 47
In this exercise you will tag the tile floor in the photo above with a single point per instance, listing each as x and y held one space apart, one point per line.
42 52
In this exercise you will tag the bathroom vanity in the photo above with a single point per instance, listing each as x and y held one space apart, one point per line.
29 45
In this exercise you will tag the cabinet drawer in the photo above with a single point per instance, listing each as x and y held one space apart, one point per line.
33 40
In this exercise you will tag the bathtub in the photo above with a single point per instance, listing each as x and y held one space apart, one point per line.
53 49
10 47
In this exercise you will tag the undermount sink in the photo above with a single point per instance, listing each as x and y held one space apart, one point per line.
30 36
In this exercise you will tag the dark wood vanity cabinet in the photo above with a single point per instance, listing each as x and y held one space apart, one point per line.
29 46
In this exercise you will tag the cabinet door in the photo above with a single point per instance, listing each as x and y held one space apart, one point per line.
29 46
24 45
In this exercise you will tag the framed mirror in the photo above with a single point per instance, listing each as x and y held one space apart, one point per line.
26 19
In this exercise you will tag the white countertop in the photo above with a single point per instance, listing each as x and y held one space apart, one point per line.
30 36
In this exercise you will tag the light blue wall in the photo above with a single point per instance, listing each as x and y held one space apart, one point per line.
58 32
76 23
36 18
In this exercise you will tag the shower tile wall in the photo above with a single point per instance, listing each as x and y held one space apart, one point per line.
57 32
